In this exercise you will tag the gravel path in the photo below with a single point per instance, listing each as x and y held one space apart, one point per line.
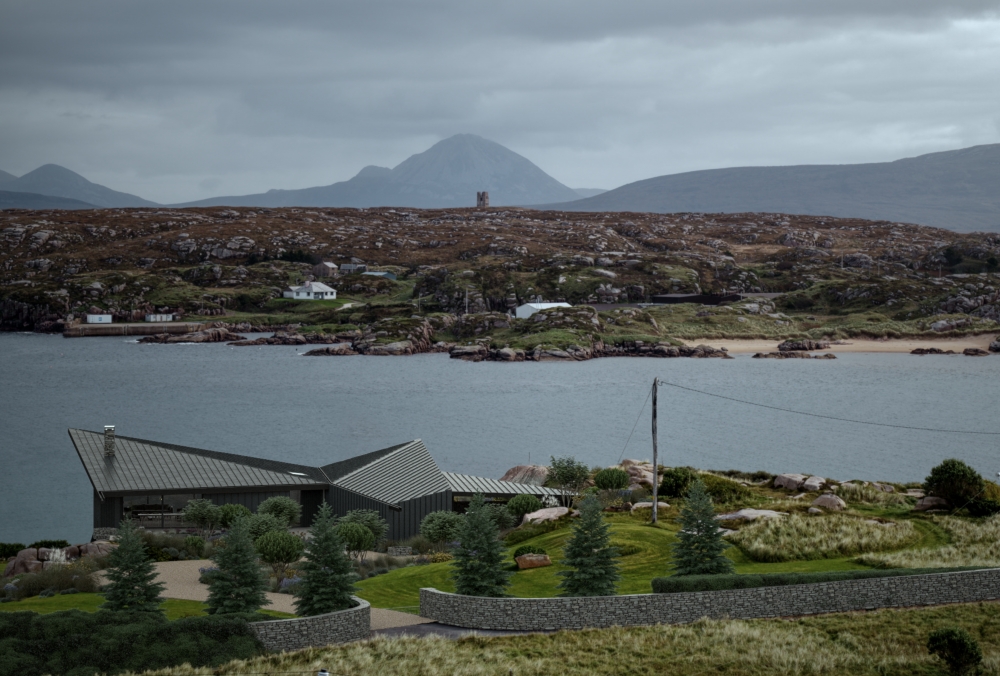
181 580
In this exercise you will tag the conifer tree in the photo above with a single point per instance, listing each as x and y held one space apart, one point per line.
591 560
327 574
479 565
239 584
699 546
131 574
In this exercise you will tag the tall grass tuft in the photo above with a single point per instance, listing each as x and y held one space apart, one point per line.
973 543
796 538
856 494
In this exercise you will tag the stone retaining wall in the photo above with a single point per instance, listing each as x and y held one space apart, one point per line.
342 626
517 614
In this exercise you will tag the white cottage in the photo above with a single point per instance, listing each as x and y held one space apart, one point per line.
528 309
311 291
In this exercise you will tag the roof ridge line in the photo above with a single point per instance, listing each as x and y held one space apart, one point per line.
402 447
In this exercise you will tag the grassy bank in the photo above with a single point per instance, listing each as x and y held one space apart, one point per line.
882 642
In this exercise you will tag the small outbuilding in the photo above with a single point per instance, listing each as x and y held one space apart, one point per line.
528 309
325 269
353 268
311 291
98 319
160 317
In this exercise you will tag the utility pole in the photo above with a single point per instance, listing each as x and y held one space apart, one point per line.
656 475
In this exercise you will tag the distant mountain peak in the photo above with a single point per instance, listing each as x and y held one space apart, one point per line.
374 171
4 176
56 181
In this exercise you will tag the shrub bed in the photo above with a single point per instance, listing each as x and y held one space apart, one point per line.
76 642
698 583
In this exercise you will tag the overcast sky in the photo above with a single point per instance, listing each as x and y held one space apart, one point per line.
183 100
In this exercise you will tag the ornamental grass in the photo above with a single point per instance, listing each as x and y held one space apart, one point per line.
973 543
796 537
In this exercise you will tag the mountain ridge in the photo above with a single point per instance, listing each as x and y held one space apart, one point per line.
954 189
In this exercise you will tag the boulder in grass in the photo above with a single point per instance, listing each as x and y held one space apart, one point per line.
649 505
814 510
930 502
830 501
546 514
813 484
526 561
791 482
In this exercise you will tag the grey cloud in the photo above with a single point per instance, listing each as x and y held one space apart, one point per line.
164 99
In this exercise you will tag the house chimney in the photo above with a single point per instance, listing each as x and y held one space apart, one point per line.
109 441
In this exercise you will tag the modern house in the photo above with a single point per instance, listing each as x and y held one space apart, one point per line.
152 481
325 269
528 309
311 291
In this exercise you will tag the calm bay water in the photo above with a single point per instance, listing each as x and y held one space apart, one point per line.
475 418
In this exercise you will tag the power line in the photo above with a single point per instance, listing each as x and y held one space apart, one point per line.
634 426
826 417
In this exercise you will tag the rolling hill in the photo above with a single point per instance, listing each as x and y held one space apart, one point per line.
958 190
448 174
30 200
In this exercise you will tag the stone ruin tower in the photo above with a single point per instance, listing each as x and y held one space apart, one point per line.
482 200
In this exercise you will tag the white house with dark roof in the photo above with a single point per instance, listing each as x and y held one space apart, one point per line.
311 291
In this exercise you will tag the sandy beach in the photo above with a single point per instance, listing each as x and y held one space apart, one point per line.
857 344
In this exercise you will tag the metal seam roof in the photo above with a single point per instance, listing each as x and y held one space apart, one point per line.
466 483
149 466
406 473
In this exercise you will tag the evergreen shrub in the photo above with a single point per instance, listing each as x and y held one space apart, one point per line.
676 481
502 517
10 549
956 648
278 549
258 524
532 530
699 547
442 526
723 490
132 584
954 481
698 583
356 538
370 519
195 546
203 513
238 586
327 575
522 504
230 512
479 568
590 559
611 479
282 508
982 507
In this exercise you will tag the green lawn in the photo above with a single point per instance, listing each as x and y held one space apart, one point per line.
174 608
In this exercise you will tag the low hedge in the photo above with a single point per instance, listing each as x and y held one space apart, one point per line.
698 583
81 644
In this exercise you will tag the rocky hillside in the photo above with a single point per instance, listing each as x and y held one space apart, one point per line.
837 277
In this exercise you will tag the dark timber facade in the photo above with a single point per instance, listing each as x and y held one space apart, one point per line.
152 481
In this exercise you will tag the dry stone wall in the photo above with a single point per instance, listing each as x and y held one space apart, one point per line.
342 626
516 614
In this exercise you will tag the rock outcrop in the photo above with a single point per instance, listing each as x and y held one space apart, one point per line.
33 559
975 352
803 345
791 482
216 335
813 484
545 514
995 345
533 475
931 350
930 502
830 501
649 505
332 350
